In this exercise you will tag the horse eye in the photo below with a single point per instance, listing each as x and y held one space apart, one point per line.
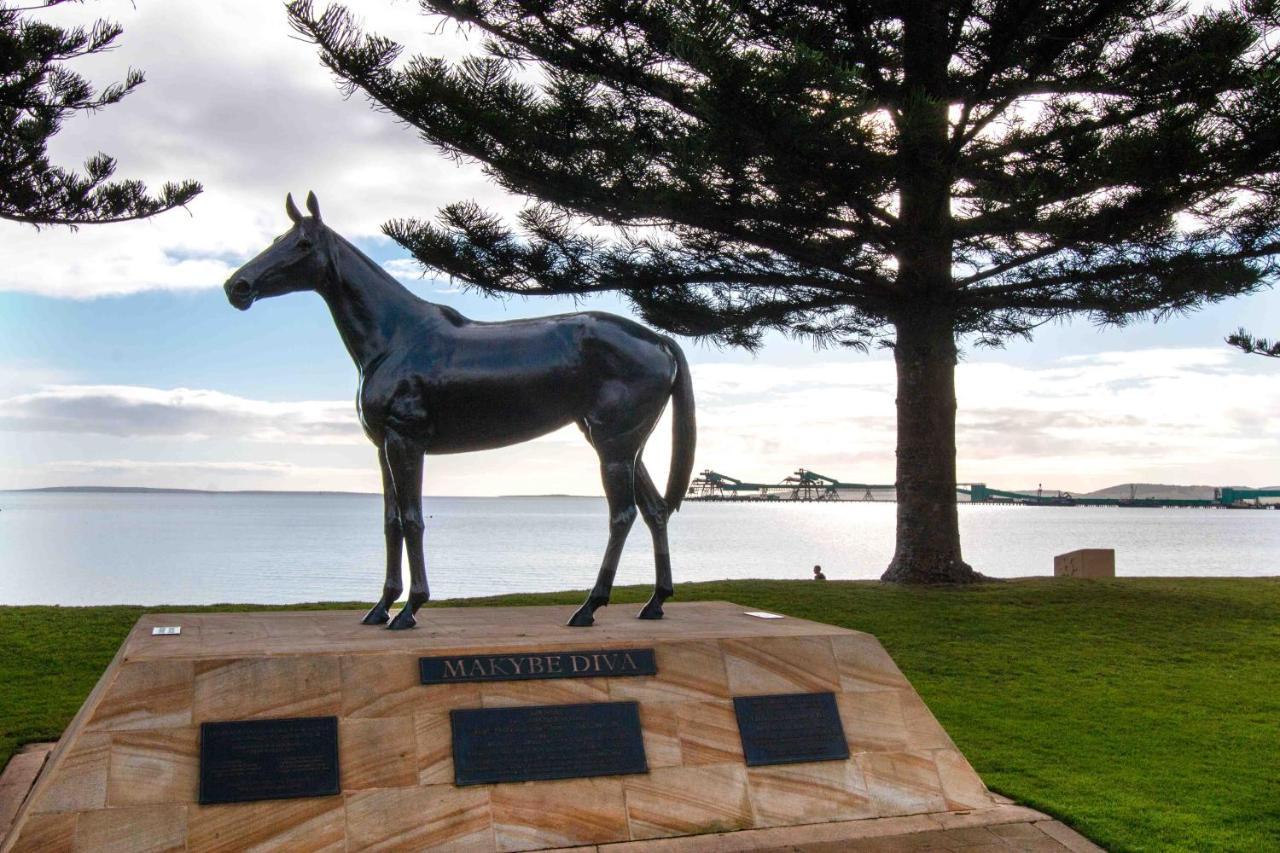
304 243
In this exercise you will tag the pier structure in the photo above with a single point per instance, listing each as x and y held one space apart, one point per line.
801 485
804 485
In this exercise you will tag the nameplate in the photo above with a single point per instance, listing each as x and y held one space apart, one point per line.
541 742
790 728
249 760
521 666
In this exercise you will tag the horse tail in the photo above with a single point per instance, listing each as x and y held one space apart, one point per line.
684 431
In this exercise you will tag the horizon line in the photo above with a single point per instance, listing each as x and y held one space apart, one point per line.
178 490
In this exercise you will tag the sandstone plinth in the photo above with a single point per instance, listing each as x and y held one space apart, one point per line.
124 776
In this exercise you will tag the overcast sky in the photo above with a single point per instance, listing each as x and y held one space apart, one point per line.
121 362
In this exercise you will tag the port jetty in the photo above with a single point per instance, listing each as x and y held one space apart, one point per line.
804 485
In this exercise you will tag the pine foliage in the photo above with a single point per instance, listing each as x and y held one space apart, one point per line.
1247 343
38 93
1118 158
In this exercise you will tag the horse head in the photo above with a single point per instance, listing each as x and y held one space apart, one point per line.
291 263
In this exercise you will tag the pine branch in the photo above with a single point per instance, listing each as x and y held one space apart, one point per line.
1247 343
1113 283
37 94
1119 156
603 155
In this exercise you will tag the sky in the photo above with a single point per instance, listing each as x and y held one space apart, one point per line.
121 362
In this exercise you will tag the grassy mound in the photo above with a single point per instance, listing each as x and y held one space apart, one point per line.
1145 712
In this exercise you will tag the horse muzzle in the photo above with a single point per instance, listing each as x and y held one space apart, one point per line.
240 293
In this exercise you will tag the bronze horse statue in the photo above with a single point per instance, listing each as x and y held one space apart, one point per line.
432 382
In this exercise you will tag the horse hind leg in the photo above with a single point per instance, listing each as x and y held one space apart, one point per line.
618 473
655 513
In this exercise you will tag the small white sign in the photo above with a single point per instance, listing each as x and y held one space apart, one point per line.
166 630
760 614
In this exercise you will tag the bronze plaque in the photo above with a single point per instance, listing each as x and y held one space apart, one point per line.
247 760
790 728
546 742
522 666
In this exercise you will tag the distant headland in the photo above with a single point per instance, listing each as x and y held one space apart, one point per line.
163 491
150 490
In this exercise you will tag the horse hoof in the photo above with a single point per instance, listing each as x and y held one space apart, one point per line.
585 617
652 610
581 619
404 620
376 616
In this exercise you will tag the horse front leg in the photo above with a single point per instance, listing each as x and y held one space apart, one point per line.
619 488
392 586
405 462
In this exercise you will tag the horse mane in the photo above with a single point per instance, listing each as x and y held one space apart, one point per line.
452 316
368 263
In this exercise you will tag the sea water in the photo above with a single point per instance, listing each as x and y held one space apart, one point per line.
76 548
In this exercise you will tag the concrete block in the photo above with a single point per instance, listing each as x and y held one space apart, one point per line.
1086 563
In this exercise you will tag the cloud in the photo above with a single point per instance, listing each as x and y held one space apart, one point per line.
139 412
233 100
410 272
22 375
404 268
1076 424
1079 423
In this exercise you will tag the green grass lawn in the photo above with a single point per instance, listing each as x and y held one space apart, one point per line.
1143 712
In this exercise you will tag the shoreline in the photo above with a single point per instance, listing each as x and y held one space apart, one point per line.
1163 581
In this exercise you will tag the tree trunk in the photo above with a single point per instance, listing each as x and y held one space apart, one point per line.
928 547
928 537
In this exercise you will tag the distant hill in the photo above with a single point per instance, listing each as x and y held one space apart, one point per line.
149 490
548 495
1162 491
154 491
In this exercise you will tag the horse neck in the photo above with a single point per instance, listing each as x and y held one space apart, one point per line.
368 306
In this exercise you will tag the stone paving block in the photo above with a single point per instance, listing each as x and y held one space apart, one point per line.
780 665
682 800
708 733
377 752
147 695
81 780
531 816
48 833
254 688
420 818
312 824
153 766
139 829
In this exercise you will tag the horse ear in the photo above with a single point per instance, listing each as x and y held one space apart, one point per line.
292 209
313 205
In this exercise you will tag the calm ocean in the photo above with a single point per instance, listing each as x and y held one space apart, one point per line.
117 548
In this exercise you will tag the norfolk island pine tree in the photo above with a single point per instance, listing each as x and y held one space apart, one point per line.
38 93
911 174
